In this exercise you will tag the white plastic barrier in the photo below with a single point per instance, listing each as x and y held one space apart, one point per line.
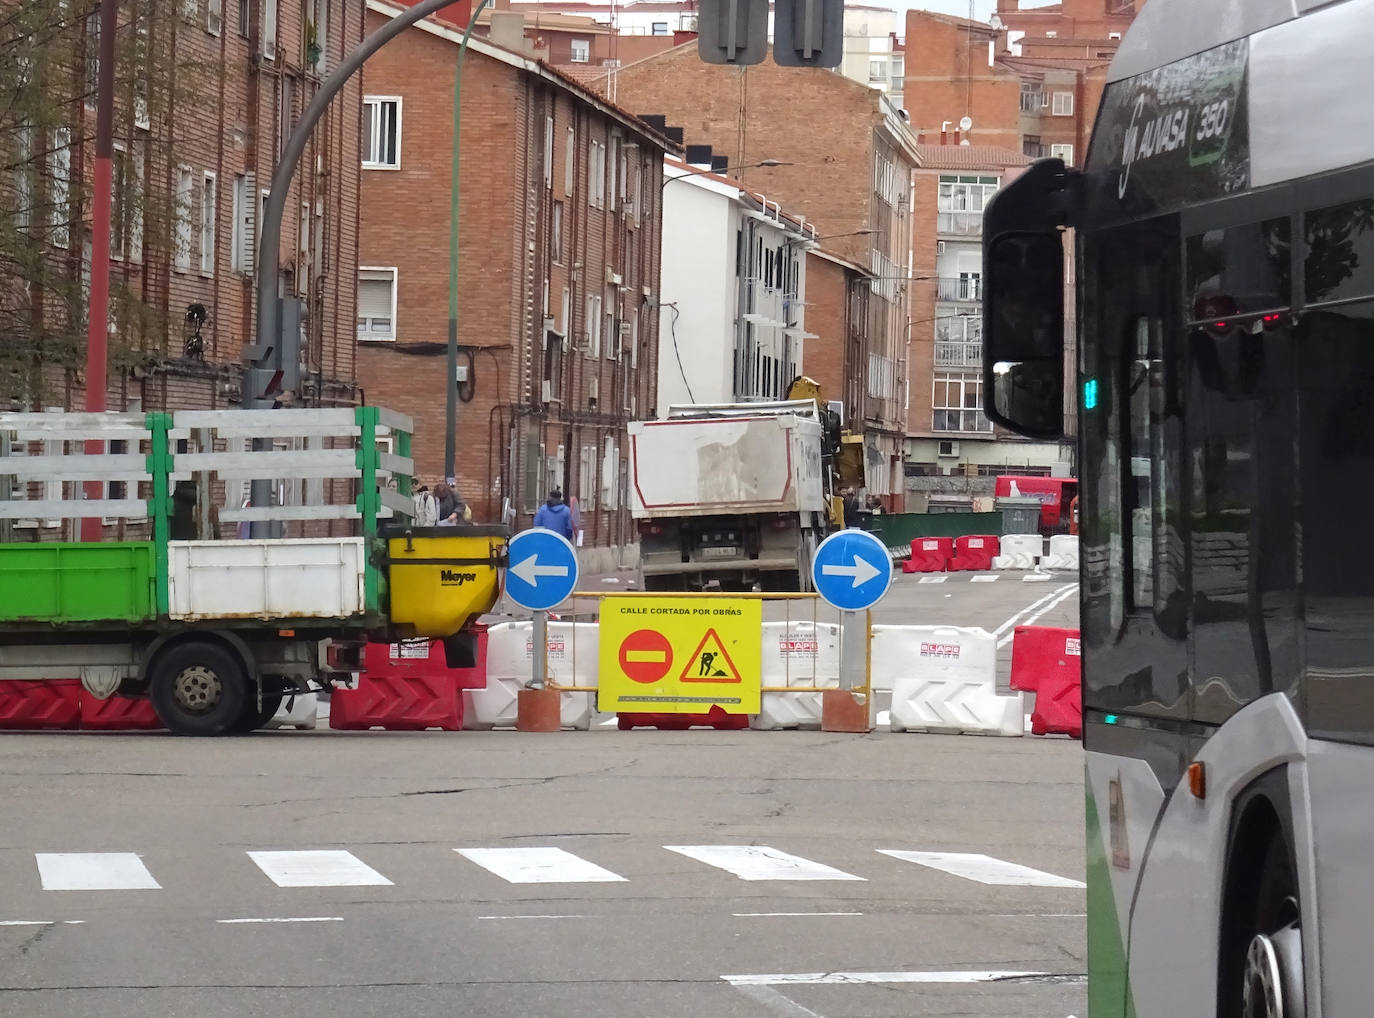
1063 553
943 679
1020 551
797 654
572 658
300 711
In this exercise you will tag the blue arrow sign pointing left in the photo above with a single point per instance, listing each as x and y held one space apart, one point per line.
542 571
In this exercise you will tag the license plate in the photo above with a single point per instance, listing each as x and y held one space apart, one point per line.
719 552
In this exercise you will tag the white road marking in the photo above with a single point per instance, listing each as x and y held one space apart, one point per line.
760 862
1038 915
932 579
984 578
538 865
317 869
292 919
776 1002
1036 578
535 917
785 915
94 871
839 978
42 922
983 868
1060 596
1010 625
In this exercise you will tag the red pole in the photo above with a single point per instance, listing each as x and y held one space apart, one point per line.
98 314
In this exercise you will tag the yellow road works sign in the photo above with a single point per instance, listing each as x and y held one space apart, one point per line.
665 655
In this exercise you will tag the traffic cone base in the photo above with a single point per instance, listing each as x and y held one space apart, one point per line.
845 711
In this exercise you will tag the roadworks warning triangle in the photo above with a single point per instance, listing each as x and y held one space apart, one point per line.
710 662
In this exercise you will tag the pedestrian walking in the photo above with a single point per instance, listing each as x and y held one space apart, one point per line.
554 515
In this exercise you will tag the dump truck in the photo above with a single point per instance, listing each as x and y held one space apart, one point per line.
176 601
730 496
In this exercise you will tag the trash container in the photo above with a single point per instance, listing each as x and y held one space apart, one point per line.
937 504
1020 515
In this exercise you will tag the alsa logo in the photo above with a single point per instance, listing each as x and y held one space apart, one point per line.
451 577
942 650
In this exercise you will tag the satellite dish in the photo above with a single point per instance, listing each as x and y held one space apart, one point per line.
965 123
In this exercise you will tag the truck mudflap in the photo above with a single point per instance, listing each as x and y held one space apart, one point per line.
441 579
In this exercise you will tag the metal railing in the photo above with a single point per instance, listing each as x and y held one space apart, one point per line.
958 355
960 224
961 288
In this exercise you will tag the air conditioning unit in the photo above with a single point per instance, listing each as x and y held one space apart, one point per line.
947 449
613 278
627 205
939 247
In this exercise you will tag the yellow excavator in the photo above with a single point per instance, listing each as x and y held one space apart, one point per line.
842 452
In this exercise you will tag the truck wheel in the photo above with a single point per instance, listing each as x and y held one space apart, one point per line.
198 689
254 718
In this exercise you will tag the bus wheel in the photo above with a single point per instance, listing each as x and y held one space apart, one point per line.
1273 980
198 689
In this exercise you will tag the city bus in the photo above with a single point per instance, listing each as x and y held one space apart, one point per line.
1221 233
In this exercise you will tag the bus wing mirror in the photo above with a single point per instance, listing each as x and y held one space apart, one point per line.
1023 332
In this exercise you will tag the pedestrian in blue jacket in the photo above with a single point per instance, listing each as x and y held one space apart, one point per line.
554 515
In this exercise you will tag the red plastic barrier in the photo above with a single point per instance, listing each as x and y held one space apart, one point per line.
714 718
929 555
52 704
1047 662
118 714
426 659
975 552
401 703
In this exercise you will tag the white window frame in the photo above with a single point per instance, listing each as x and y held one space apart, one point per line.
594 326
60 170
611 333
240 228
556 228
970 397
548 152
582 45
209 213
570 162
1061 104
181 233
612 165
565 316
214 16
586 477
378 271
1064 152
371 142
269 29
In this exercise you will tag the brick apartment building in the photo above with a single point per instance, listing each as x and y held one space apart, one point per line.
1029 83
204 105
846 157
558 276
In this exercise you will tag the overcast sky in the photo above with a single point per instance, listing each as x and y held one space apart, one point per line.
982 8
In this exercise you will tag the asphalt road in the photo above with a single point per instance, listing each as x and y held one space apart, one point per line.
126 858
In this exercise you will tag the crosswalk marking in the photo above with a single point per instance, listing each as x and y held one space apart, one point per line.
1036 578
983 578
983 868
94 871
317 869
759 862
535 865
932 579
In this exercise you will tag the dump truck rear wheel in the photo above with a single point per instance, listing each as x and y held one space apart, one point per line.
198 689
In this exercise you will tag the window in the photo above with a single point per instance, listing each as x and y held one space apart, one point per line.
877 70
1033 98
611 338
316 36
214 16
60 168
1064 152
269 29
553 366
286 115
570 162
586 476
92 63
610 473
244 6
303 251
377 303
565 315
611 166
382 133
596 190
961 202
957 404
556 232
660 28
581 51
548 151
241 257
1063 104
121 206
208 211
592 323
1032 146
181 253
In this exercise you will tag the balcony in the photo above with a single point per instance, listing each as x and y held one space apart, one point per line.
960 288
958 355
960 224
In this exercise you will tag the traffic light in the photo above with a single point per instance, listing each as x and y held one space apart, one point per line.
808 33
732 31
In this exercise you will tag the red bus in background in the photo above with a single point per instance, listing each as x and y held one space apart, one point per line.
1054 493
